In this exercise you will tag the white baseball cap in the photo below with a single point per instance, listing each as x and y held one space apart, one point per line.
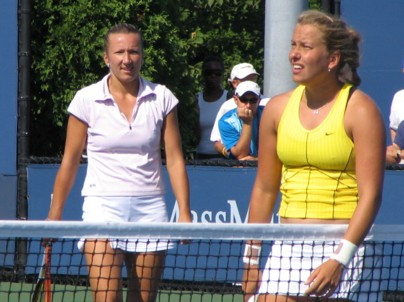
248 86
240 71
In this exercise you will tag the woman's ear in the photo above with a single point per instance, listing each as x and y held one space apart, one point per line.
334 60
106 60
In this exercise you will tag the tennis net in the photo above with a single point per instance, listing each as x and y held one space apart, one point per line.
209 267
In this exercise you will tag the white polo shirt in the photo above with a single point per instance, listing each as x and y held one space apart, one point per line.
123 157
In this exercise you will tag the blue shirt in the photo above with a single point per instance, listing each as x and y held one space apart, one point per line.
230 126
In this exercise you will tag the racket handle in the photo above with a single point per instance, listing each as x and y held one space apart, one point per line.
48 281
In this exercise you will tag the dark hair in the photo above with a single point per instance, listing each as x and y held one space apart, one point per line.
122 28
212 58
337 37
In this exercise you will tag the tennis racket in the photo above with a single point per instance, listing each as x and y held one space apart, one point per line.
43 286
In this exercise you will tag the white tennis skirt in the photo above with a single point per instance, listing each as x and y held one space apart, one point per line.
291 263
128 209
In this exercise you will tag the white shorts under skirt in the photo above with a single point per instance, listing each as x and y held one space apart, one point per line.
291 263
128 209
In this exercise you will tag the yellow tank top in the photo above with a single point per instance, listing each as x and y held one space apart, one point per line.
318 176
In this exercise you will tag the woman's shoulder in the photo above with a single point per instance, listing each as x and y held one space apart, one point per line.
281 97
275 107
147 84
360 98
361 105
95 90
279 101
148 87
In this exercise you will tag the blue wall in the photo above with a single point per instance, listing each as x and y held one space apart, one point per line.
218 194
8 107
381 26
9 88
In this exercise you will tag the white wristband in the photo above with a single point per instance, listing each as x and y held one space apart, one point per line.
252 254
345 252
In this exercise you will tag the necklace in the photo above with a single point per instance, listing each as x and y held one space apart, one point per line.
316 111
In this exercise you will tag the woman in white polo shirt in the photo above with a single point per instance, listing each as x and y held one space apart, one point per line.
121 121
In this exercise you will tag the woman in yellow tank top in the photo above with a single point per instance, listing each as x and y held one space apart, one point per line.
322 146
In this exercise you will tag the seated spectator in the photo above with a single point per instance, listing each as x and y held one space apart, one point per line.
396 112
240 72
209 101
396 117
239 126
394 154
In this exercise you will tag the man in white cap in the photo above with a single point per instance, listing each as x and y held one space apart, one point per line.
239 126
240 72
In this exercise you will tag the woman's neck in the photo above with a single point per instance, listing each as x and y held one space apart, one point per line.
120 87
319 95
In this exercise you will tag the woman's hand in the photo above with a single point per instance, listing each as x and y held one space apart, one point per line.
393 154
325 279
251 280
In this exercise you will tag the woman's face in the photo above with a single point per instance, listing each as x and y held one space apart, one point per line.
308 55
124 56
